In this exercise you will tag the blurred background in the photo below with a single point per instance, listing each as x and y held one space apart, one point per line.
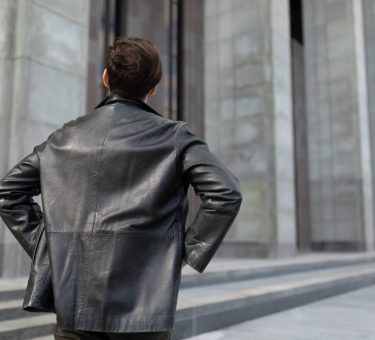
281 90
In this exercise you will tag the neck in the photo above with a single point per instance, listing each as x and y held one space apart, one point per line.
143 100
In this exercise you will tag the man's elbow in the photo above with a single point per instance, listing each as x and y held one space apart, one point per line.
236 193
231 200
237 200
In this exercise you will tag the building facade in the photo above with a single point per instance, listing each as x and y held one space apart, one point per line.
281 90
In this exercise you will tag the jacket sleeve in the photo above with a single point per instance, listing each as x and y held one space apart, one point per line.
219 191
18 210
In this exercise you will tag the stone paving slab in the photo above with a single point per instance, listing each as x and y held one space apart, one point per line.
349 316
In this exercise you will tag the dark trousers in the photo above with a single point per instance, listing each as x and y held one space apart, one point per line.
60 334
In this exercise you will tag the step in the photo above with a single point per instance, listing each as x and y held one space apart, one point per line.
230 269
12 289
208 308
202 294
222 270
346 316
46 337
28 327
12 309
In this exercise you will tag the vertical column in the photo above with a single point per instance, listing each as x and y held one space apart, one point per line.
369 28
45 45
7 61
248 112
282 116
364 127
338 124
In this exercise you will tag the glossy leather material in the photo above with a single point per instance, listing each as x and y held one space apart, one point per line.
107 248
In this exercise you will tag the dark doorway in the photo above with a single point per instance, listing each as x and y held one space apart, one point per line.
300 127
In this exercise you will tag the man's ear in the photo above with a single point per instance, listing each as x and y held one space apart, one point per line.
105 78
153 90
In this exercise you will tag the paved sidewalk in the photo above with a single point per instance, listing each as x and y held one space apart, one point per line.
349 316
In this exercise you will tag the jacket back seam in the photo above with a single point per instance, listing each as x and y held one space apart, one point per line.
87 263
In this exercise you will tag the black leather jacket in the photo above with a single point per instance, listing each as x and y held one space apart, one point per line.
107 248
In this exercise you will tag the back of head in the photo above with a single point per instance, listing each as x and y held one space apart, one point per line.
134 67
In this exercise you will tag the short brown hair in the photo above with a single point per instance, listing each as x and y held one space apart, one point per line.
134 67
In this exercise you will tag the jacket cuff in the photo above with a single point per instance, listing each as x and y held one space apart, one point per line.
194 258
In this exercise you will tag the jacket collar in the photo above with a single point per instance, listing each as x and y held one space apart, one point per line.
114 97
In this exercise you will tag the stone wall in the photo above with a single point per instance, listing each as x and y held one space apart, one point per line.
248 111
340 172
43 75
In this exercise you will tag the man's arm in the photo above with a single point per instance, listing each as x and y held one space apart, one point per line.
17 208
219 191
